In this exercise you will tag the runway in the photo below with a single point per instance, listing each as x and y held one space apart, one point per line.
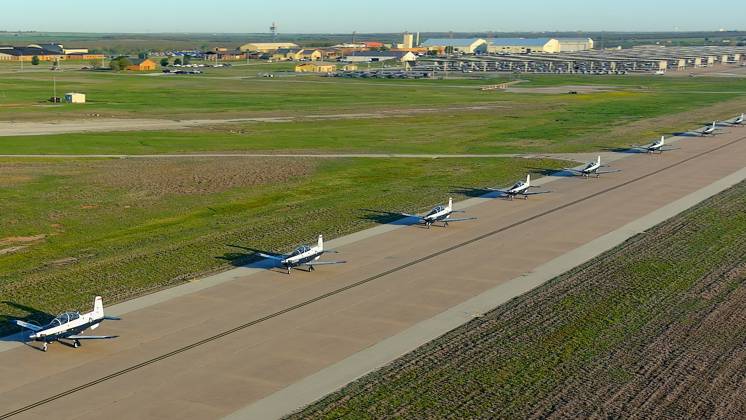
210 353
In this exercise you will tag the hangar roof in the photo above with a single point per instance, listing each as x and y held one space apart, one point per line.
520 42
448 42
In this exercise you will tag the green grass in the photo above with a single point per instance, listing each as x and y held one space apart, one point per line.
529 124
126 241
572 347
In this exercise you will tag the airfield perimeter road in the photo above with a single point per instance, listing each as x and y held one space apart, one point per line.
210 353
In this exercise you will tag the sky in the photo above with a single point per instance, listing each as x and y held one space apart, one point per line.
345 16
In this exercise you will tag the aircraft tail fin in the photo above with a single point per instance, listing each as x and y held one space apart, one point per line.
528 180
450 202
98 307
663 140
599 160
321 242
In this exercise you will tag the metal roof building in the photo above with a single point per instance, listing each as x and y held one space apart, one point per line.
465 46
522 45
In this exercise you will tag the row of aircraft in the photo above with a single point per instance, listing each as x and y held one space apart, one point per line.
68 327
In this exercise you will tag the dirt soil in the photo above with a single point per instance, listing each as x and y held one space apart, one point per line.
198 175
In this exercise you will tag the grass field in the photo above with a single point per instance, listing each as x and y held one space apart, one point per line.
651 329
121 228
446 116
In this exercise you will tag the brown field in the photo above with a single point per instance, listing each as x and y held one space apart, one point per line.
652 329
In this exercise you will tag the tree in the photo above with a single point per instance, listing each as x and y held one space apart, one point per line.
142 55
124 62
114 65
164 62
35 60
177 61
187 59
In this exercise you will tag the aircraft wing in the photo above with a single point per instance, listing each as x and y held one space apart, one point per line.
668 149
91 337
536 193
27 325
464 219
325 263
610 171
111 318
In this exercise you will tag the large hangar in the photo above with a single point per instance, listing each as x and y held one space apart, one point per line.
464 46
522 45
537 45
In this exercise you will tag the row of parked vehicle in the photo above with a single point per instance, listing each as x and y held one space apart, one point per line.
382 74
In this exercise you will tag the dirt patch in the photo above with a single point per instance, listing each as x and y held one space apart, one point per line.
11 250
21 239
157 177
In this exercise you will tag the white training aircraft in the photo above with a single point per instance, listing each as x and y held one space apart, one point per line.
303 256
739 120
710 130
69 326
440 214
592 168
519 188
657 146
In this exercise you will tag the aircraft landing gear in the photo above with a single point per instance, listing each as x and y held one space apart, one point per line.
311 268
76 344
44 347
525 197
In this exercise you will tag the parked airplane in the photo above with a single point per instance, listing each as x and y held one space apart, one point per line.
69 326
592 168
440 214
303 256
739 120
519 188
657 146
710 130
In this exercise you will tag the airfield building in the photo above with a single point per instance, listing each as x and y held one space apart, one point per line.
381 56
315 68
267 47
139 64
538 45
75 98
463 46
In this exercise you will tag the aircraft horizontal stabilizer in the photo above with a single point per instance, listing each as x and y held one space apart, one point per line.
91 337
112 318
27 325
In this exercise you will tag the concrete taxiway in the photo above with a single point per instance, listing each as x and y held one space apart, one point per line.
218 349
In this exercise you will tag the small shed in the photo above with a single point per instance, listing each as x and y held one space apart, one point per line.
75 98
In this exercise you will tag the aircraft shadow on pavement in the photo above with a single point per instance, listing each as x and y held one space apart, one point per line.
688 134
383 217
248 259
628 150
476 192
33 316
553 172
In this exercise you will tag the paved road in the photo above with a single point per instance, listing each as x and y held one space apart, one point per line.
254 332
